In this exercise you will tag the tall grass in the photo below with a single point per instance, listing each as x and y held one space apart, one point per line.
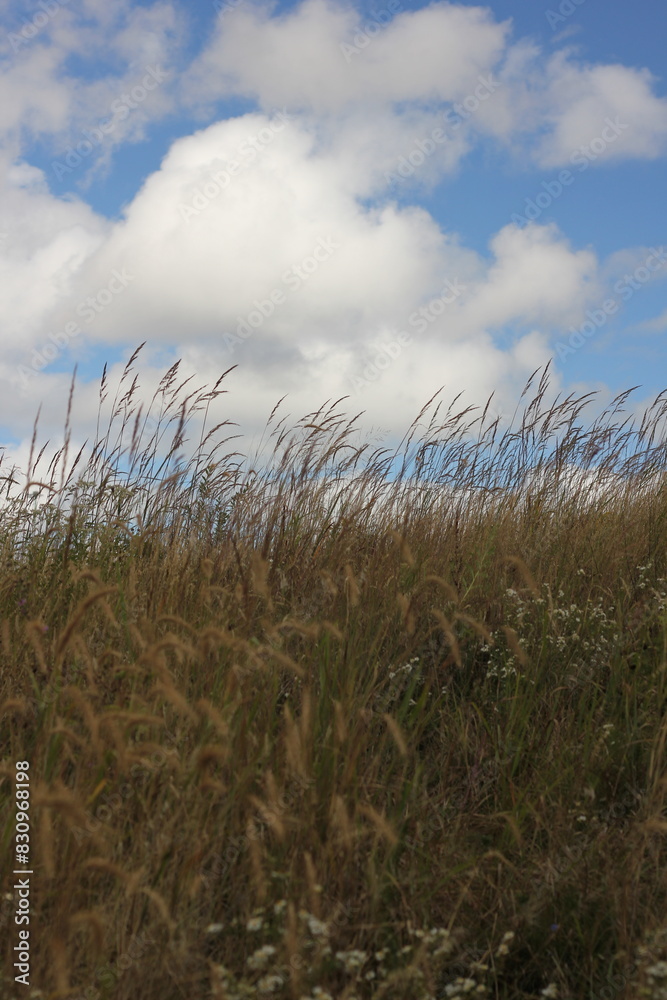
347 723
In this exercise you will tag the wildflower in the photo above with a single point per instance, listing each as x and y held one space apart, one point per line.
269 984
260 958
352 960
223 972
460 986
316 927
280 907
549 991
255 924
214 928
503 949
446 944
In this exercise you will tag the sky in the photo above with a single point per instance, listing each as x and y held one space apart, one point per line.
373 201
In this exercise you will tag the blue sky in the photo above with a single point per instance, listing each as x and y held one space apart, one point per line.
313 192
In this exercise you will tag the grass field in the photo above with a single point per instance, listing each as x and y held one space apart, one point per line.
293 734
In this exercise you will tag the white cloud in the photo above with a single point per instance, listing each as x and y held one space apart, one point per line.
188 237
42 98
370 108
46 240
580 101
194 273
536 277
32 98
296 59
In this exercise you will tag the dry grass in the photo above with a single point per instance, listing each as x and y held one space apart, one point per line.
311 732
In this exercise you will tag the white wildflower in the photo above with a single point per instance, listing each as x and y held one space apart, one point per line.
352 960
270 984
259 959
316 927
